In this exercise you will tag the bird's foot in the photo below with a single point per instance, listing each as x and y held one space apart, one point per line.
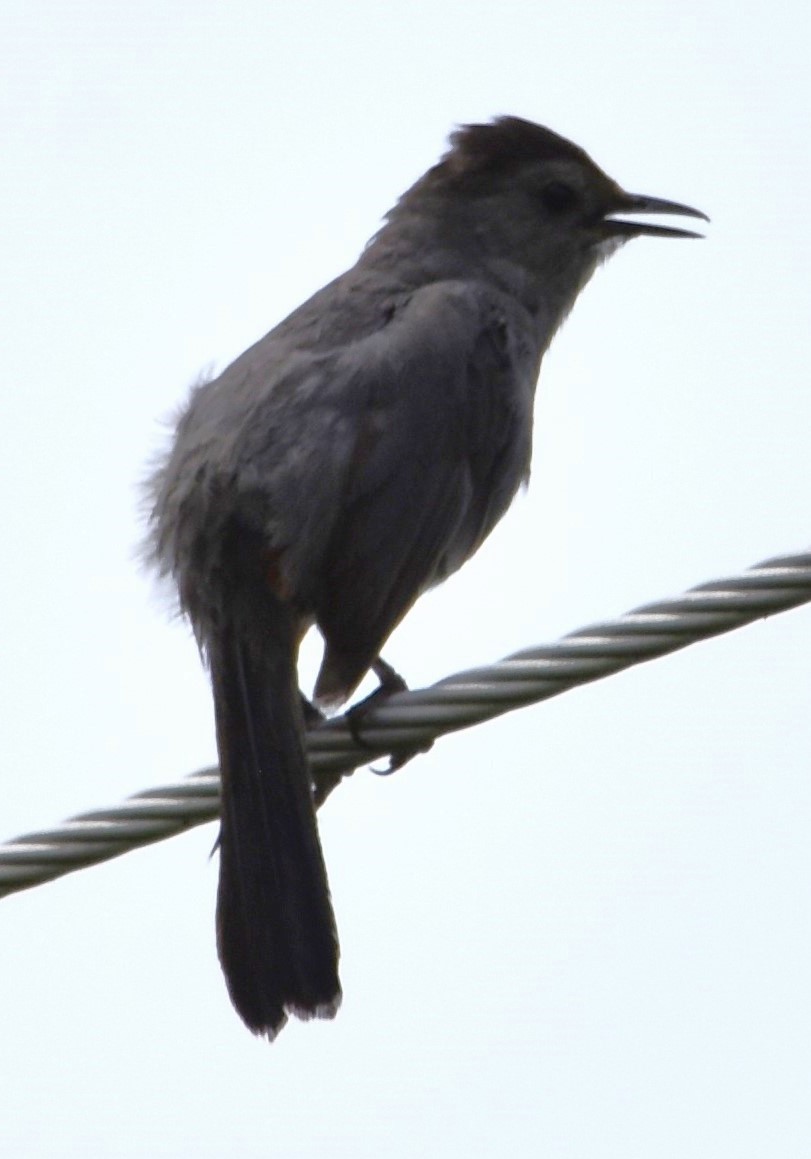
390 682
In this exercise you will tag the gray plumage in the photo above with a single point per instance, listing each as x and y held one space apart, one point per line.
356 455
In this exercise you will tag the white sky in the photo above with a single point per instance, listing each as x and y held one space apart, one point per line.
583 931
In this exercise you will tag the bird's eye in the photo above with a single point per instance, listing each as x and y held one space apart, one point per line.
558 197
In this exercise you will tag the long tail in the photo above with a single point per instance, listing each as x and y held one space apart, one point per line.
275 926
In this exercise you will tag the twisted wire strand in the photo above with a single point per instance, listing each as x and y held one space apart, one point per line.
406 722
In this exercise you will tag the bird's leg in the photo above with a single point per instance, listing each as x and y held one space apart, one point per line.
390 681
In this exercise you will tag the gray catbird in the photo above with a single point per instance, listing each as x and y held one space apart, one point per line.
356 455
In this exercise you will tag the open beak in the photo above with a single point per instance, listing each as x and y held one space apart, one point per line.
639 203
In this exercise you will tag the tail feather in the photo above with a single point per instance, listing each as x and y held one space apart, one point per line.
275 926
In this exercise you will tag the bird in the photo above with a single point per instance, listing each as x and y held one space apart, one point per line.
352 458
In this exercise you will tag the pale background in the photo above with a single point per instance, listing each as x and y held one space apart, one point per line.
581 932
